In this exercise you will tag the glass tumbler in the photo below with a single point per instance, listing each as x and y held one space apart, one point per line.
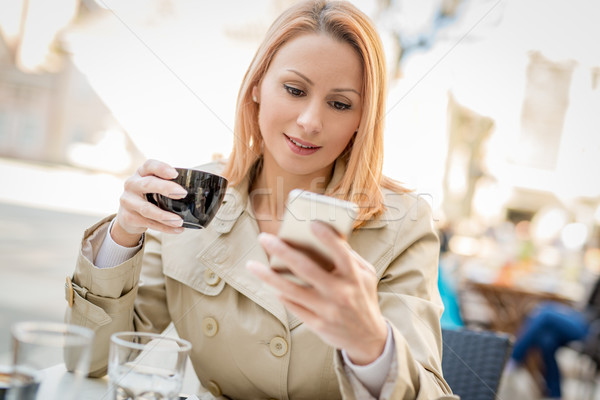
146 366
50 360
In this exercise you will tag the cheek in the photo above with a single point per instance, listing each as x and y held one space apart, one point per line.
267 110
344 140
266 121
275 116
265 115
347 130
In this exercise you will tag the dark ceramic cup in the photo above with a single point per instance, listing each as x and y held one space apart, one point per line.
205 195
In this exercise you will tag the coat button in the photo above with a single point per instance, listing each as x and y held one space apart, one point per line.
278 346
211 278
214 389
210 327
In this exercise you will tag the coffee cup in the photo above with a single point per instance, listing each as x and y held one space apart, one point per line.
205 194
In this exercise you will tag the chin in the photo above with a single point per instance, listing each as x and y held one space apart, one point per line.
300 167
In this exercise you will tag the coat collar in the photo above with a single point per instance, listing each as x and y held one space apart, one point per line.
236 200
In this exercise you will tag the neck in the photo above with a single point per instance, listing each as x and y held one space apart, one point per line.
272 185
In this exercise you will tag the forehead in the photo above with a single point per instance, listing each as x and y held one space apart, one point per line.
320 57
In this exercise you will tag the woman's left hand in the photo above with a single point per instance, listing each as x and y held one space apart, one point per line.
340 306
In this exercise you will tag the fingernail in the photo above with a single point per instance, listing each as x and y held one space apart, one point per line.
173 173
175 222
178 195
178 230
266 239
253 266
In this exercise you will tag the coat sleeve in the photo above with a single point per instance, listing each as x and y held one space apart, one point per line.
410 301
109 300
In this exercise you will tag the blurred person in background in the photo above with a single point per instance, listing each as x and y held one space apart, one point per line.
552 325
309 115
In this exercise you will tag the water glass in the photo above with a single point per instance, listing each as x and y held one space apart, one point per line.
146 366
50 361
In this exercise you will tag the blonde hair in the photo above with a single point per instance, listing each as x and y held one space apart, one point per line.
363 178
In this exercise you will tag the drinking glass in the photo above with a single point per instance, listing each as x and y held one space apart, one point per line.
144 366
50 360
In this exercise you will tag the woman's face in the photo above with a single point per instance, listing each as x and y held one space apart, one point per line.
310 103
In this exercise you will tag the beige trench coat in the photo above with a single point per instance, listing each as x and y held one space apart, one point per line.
245 345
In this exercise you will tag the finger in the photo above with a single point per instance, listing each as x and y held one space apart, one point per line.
364 264
135 221
308 316
339 248
138 205
275 279
299 263
153 184
158 168
303 296
158 226
141 185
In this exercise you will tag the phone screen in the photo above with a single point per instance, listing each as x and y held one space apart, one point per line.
302 208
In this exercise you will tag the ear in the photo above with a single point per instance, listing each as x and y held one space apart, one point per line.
255 94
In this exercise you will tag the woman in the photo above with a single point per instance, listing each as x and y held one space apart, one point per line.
309 115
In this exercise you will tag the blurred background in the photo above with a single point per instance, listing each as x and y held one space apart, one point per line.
493 116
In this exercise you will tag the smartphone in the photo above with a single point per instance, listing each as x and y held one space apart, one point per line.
302 208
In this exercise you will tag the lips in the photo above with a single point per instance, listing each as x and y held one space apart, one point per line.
301 143
301 147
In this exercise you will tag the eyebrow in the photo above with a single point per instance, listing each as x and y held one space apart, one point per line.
311 83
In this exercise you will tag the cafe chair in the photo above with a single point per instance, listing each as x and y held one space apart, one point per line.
473 362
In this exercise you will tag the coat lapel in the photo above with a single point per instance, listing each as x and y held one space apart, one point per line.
229 249
231 240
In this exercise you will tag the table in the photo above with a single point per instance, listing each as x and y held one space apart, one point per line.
57 376
509 305
91 388
98 388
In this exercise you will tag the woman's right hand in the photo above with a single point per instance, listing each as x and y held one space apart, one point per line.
136 214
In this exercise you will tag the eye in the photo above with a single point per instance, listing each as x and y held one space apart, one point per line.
293 91
338 105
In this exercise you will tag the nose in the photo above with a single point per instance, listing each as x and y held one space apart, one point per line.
310 118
